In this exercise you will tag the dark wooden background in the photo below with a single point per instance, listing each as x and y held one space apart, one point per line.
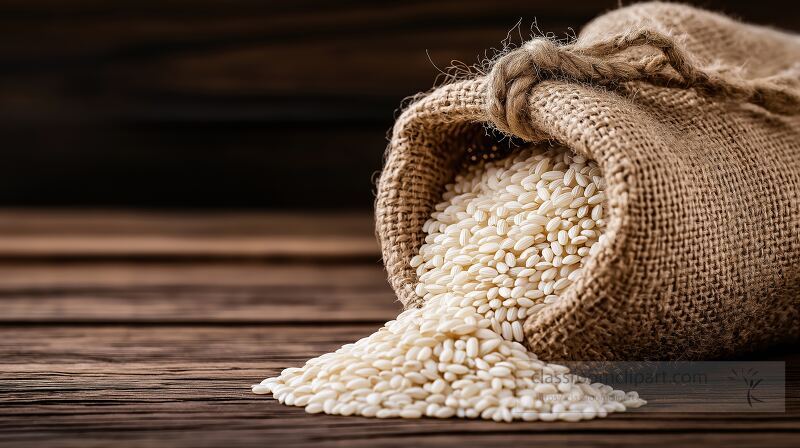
238 103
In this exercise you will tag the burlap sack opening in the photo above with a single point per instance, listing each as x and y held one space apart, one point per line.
700 147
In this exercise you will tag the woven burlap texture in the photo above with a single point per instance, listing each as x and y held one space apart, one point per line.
693 118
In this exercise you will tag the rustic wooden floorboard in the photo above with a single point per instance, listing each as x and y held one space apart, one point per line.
71 385
160 348
195 292
26 234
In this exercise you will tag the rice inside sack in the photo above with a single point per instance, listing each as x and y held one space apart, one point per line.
514 235
508 238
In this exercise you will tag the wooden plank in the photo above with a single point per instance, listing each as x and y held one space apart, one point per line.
160 60
191 247
313 436
94 234
222 293
188 386
161 351
156 60
42 222
316 86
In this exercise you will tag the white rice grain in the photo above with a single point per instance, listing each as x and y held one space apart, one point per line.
509 239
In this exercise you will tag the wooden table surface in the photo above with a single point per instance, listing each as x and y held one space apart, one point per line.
132 329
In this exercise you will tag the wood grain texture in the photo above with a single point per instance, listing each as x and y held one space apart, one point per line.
242 103
115 234
98 223
188 386
167 60
135 351
293 61
222 293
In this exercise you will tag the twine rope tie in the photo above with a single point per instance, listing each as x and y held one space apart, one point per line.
515 74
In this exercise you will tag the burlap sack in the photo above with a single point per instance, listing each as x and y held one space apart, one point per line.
693 118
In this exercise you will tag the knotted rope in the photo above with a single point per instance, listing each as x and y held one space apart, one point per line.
514 75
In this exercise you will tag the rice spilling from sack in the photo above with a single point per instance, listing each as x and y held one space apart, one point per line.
509 237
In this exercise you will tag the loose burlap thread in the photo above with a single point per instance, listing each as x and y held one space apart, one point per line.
694 120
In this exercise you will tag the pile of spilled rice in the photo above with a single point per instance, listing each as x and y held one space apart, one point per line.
509 237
